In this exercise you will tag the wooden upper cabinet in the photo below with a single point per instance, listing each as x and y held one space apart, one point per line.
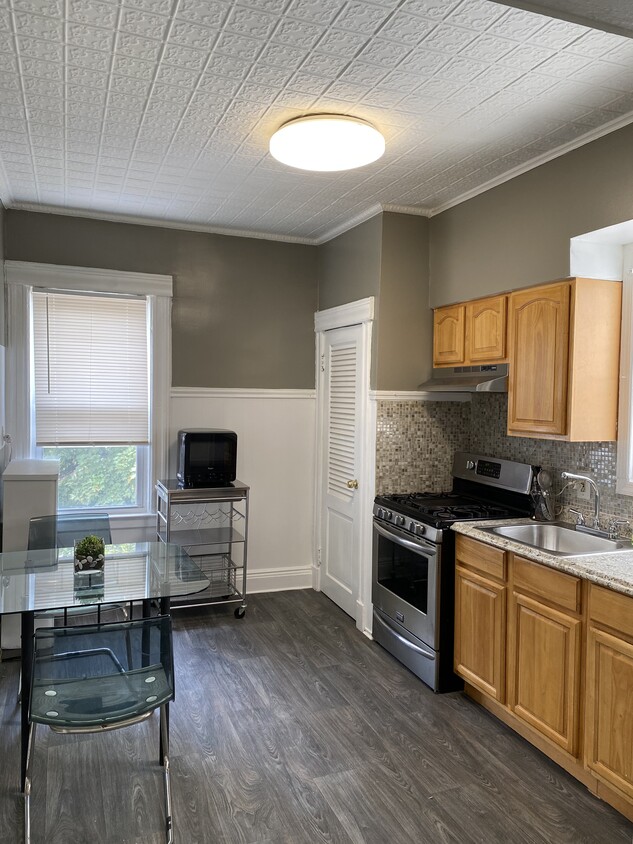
539 345
471 333
564 348
449 335
486 330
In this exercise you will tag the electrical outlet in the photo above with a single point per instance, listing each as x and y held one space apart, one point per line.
583 490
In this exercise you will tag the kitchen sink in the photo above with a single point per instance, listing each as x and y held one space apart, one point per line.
559 539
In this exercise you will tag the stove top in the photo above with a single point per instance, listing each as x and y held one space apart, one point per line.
441 510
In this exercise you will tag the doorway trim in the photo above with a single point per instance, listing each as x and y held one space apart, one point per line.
360 313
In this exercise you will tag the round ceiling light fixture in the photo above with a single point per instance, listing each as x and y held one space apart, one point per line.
327 142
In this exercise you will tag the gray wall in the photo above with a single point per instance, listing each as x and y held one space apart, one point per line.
2 291
385 257
243 308
517 234
405 322
349 265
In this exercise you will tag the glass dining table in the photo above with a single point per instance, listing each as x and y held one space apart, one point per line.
38 581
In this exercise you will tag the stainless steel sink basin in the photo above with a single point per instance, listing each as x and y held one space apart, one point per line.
560 539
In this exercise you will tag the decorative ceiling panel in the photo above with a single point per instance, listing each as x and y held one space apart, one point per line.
162 109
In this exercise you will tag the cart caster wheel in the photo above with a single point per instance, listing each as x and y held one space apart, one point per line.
240 612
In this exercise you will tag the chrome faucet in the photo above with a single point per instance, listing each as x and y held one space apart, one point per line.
570 476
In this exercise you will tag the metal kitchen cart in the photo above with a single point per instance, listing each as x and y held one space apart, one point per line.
211 524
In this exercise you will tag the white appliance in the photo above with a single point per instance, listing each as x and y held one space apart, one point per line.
30 489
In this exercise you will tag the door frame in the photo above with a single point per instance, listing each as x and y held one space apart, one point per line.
360 313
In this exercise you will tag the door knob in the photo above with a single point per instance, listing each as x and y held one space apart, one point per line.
352 484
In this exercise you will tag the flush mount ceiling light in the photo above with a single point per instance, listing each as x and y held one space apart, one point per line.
327 142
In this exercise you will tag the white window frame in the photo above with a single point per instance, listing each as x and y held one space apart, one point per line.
624 481
21 278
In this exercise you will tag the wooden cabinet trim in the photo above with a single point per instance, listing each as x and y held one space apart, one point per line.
483 558
552 586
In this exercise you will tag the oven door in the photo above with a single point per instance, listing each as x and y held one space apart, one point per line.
406 576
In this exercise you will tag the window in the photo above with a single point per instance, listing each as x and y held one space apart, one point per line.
91 388
88 364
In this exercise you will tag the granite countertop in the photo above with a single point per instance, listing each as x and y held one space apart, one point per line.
613 570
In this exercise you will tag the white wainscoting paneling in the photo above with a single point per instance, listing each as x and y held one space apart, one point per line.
275 457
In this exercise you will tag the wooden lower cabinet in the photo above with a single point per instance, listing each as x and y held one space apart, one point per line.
609 689
480 632
545 685
552 657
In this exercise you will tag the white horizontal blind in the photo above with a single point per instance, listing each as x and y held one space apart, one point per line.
91 369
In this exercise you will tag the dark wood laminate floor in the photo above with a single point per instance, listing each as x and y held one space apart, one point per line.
290 727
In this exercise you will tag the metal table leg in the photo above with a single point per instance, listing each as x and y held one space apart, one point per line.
27 668
164 744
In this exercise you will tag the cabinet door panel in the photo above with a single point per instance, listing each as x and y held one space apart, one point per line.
480 632
609 719
486 330
546 676
449 335
539 341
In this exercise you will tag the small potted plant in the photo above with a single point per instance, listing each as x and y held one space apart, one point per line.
89 554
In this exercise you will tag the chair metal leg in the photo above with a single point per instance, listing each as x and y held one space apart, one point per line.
164 735
20 688
27 786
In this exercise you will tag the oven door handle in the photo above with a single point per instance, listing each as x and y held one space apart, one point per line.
421 545
410 645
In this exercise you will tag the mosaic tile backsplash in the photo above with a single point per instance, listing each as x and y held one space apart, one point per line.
416 442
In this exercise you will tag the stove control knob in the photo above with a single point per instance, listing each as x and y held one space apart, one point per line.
417 529
470 464
400 520
387 514
380 513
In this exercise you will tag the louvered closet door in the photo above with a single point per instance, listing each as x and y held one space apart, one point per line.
340 525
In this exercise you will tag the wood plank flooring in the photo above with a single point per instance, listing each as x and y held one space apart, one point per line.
290 727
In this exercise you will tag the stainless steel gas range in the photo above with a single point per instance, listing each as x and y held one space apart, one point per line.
413 583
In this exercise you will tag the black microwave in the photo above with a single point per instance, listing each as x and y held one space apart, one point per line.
206 457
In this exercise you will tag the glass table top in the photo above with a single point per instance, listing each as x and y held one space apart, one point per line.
135 571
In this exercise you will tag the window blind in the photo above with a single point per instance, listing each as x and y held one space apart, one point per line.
91 370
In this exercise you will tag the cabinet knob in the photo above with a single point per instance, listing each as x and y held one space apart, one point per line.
352 484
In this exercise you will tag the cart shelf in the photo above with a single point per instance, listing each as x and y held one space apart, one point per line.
203 521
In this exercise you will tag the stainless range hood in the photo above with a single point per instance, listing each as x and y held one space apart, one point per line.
468 379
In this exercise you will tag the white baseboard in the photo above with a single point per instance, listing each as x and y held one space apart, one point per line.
278 580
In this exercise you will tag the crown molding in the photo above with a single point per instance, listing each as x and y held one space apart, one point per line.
406 209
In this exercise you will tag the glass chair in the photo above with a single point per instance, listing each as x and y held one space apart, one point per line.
101 677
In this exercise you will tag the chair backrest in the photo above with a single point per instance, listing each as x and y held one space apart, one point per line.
101 675
61 530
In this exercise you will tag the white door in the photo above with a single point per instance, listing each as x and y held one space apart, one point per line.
341 400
